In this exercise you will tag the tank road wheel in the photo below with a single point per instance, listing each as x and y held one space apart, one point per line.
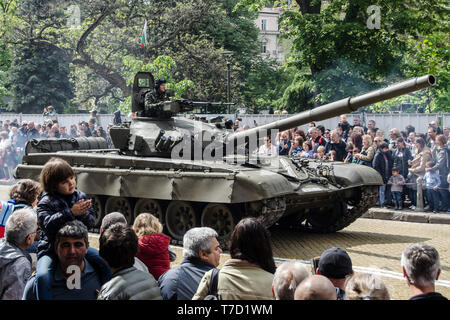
149 206
220 218
340 216
97 205
120 204
324 219
180 217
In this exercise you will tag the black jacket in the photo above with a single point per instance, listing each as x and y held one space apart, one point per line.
53 212
429 296
338 147
401 158
379 164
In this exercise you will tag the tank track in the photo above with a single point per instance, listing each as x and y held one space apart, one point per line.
368 199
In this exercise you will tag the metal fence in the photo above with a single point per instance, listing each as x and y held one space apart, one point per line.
65 120
383 121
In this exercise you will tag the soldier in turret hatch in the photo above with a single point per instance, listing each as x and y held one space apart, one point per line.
154 97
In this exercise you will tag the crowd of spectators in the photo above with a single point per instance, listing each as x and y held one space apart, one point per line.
116 271
404 159
14 136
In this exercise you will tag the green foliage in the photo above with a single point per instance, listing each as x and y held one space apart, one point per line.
345 57
38 78
265 81
298 96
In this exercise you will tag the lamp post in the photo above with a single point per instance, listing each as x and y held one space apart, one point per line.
227 55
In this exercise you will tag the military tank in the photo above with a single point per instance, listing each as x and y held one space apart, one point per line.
196 172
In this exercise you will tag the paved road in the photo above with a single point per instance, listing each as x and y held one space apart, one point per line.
374 245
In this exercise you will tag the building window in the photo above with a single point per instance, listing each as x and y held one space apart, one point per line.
263 24
264 47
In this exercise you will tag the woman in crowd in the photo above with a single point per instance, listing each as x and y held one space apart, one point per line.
401 157
24 194
248 275
356 140
367 153
417 169
394 134
153 244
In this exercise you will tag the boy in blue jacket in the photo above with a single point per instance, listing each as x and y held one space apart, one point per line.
431 181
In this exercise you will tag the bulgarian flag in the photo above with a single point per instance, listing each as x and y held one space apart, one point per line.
143 41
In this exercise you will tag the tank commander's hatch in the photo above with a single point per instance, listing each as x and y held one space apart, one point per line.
143 82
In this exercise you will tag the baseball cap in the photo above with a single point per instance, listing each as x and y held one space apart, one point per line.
335 263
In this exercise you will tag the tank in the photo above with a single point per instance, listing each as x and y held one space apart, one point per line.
196 172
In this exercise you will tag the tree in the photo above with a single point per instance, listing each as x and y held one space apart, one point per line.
39 78
344 55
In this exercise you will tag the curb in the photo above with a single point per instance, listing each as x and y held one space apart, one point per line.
407 216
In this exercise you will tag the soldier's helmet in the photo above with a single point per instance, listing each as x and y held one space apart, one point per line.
158 82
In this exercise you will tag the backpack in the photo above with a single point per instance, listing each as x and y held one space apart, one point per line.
6 209
212 293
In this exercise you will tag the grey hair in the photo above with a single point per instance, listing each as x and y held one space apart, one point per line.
334 131
19 225
312 129
197 239
286 279
73 229
112 218
421 262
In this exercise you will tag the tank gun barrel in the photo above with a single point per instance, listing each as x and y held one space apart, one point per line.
339 107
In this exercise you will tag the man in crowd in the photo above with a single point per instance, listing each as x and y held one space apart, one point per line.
315 287
372 125
74 278
435 125
287 278
382 162
32 132
357 123
336 144
119 246
62 133
421 268
431 137
316 138
336 265
22 135
15 261
201 252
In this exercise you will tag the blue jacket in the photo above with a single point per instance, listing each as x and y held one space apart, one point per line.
431 179
53 212
181 283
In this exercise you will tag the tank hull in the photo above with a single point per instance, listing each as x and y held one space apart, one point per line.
270 193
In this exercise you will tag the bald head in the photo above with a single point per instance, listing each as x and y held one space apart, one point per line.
286 279
315 287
